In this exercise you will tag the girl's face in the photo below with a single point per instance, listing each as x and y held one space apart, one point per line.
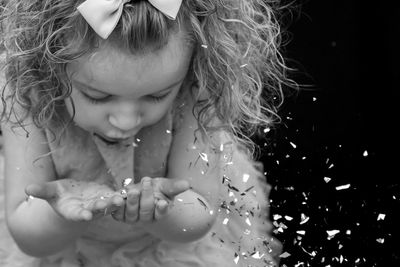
116 94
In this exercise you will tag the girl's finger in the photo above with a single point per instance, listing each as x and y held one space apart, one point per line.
171 188
147 205
117 201
99 205
161 209
44 191
132 206
84 215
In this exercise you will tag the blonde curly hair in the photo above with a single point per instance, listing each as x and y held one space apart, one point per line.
237 61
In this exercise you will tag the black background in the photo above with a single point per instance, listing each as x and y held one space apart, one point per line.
341 126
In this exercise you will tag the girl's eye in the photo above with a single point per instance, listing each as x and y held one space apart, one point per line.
96 100
156 98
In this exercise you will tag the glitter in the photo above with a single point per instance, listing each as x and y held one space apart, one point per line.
245 177
257 255
123 192
127 181
284 255
341 187
332 233
236 260
204 46
293 144
211 212
179 199
314 99
267 130
304 219
380 240
331 166
381 216
231 194
365 154
248 221
221 147
277 217
168 131
247 232
202 203
348 232
288 218
327 179
29 197
184 230
301 232
244 65
204 156
225 222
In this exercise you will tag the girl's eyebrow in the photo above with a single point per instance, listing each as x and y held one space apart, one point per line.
86 86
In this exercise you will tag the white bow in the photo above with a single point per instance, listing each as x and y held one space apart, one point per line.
103 15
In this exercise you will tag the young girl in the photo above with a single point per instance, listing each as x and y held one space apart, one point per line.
126 127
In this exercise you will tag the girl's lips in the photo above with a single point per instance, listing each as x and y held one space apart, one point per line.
110 141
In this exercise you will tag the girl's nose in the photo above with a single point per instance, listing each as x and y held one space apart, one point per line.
125 120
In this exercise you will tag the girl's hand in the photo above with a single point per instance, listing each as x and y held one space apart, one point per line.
77 200
149 201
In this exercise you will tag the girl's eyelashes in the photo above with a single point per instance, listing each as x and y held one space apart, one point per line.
95 100
157 98
106 98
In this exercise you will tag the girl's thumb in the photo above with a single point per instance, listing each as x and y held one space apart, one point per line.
44 191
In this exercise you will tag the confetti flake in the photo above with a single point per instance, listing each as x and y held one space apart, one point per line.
127 181
257 255
380 240
381 216
204 156
327 179
236 260
365 154
304 218
248 221
288 218
204 46
267 130
246 177
341 187
332 233
284 255
225 222
293 144
301 232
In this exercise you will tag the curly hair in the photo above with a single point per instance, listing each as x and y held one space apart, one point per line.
237 63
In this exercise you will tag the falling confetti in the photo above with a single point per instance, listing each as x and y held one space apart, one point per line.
342 187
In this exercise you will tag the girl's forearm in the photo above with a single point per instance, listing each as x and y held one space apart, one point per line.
39 231
189 218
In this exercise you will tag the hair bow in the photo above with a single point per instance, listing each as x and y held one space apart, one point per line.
103 15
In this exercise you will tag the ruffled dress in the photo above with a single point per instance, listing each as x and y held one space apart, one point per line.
241 236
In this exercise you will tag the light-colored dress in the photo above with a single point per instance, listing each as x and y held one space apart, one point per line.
240 236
